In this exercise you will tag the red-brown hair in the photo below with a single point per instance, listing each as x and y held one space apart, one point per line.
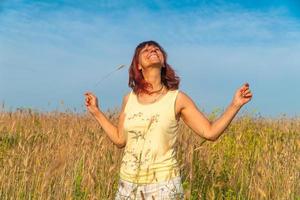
136 79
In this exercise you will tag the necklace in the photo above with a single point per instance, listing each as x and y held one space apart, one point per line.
157 90
156 98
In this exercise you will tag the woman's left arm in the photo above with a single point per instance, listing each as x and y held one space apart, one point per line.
197 121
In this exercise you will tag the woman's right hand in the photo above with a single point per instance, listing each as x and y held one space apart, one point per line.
91 102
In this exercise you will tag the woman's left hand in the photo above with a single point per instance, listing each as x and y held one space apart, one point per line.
242 96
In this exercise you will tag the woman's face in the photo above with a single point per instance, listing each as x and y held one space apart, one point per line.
150 55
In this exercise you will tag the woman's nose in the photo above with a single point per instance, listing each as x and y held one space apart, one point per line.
152 50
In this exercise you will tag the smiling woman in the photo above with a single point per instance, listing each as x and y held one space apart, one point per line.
150 55
148 125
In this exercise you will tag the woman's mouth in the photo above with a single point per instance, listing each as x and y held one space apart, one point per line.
152 56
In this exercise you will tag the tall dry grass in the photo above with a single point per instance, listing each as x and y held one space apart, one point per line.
67 156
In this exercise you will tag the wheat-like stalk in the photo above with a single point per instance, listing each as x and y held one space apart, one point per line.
109 74
68 156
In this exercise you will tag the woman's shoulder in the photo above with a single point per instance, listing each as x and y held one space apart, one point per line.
181 93
183 99
126 96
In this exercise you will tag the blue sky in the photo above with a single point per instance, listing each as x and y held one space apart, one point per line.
54 51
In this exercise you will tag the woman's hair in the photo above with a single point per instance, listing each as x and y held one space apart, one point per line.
136 79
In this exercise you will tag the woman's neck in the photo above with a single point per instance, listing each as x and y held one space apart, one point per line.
153 76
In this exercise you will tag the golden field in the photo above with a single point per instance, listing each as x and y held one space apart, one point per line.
68 156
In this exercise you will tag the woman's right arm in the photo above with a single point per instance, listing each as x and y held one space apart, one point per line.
114 133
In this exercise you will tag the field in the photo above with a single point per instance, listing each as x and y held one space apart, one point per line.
68 156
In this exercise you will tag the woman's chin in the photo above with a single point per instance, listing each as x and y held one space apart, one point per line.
155 65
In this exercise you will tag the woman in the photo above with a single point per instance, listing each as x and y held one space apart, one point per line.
148 125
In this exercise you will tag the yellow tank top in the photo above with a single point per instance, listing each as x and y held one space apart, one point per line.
151 133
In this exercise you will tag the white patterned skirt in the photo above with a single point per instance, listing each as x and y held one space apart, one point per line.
170 190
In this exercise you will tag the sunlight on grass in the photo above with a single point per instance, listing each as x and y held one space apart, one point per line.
67 156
